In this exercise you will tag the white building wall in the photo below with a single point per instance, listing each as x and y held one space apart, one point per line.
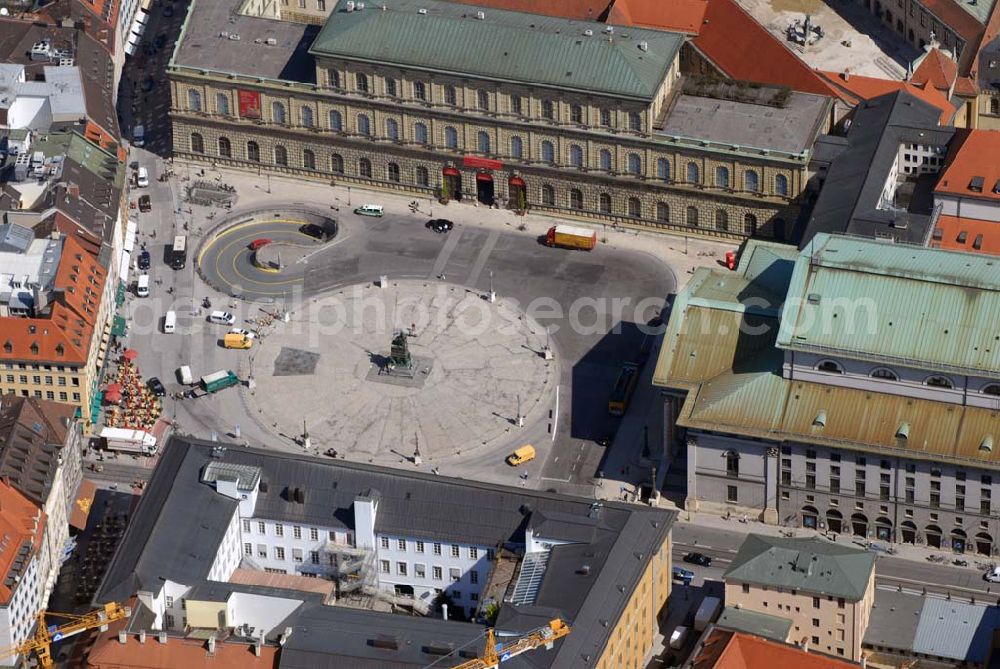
982 210
227 558
18 618
290 548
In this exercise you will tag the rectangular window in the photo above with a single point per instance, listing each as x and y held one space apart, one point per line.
385 542
960 504
959 475
786 477
262 551
279 553
935 500
840 603
168 602
390 87
815 622
420 546
810 454
984 506
909 496
279 530
246 526
811 481
515 105
811 466
401 544
455 551
248 549
383 566
401 568
261 528
419 571
314 557
731 493
296 555
473 553
815 602
883 492
606 118
313 534
436 573
474 577
296 532
455 574
936 486
437 549
321 5
859 488
483 98
835 485
935 472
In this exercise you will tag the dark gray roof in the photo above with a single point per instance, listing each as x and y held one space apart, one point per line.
15 238
807 564
850 194
180 522
32 434
751 622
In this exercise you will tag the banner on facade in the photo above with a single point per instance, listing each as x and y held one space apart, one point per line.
481 163
249 104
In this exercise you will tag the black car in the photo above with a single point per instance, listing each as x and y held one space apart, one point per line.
143 262
699 559
156 387
314 230
439 225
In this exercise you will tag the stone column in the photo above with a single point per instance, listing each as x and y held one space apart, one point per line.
691 501
772 456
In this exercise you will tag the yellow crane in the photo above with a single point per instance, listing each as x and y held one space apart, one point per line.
45 636
494 654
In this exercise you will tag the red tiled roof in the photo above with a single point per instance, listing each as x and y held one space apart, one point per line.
743 49
683 16
735 650
936 69
987 233
962 22
856 88
21 522
973 153
64 336
592 10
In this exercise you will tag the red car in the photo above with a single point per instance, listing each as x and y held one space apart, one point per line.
257 243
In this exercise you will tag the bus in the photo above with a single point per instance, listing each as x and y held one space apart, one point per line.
178 253
621 393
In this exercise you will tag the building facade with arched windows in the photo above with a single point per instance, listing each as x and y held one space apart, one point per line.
851 412
476 134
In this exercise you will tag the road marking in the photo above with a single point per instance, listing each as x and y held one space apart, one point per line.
555 416
446 251
484 254
549 478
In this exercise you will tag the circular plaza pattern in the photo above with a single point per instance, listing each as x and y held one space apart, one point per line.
233 261
475 363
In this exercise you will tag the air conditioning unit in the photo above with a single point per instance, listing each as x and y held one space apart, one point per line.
271 41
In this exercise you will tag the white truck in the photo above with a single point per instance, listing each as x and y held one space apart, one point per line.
707 613
678 637
128 441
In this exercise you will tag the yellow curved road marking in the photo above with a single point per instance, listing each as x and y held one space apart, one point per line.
236 256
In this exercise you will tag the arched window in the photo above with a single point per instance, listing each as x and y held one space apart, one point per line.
364 168
225 148
721 220
516 147
692 216
483 100
722 177
336 120
197 143
749 225
337 163
663 212
420 133
692 173
306 114
634 164
362 80
884 373
548 195
450 137
663 169
576 114
391 129
421 176
280 155
222 104
781 185
333 78
995 106
831 366
308 159
450 96
751 181
605 160
277 112
392 172
604 202
419 90
634 207
575 155
253 151
364 125
634 121
991 389
194 100
483 141
938 381
548 152
575 199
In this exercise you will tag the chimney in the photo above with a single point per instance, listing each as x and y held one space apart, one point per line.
74 190
162 637
211 645
142 636
847 74
122 637
284 637
257 647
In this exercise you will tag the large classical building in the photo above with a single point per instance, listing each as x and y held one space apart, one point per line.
552 114
852 387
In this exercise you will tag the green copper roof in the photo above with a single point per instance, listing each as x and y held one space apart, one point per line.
811 565
895 303
751 622
507 46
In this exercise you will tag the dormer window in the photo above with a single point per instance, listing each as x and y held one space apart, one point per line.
938 381
991 389
884 373
831 366
60 350
34 348
8 347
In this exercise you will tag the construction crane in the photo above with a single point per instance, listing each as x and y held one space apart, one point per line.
45 635
494 653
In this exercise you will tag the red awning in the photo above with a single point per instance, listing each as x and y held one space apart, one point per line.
481 163
113 393
451 172
484 176
130 354
516 181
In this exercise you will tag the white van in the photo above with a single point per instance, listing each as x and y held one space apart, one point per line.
170 322
142 180
221 318
142 286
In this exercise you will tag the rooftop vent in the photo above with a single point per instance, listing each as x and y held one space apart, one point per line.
588 32
976 185
481 15
422 11
349 6
583 570
903 431
609 29
820 419
812 298
644 46
384 642
271 41
986 444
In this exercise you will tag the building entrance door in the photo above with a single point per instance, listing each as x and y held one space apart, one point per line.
484 188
